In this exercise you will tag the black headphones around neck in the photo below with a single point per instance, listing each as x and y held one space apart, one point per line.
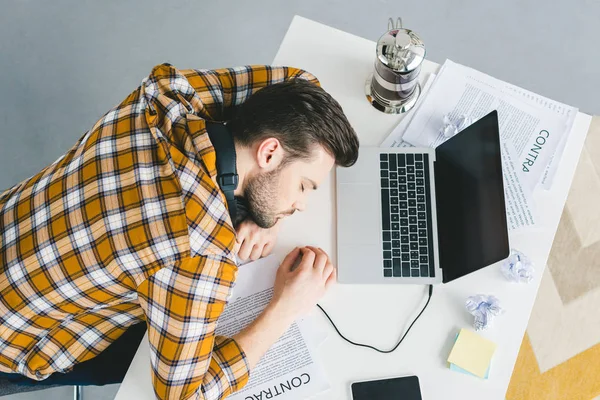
227 176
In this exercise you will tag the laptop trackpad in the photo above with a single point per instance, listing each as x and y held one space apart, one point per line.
359 214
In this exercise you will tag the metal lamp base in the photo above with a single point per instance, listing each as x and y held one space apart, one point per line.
391 107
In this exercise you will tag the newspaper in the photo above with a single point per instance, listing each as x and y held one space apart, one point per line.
565 112
531 134
288 371
534 132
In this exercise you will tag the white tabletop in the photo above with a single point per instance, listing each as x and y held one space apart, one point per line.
377 314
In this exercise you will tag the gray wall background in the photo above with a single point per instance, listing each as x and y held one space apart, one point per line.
64 63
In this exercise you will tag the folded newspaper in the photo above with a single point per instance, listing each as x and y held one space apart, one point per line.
289 370
533 129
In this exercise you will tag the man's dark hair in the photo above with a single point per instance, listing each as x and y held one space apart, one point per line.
299 114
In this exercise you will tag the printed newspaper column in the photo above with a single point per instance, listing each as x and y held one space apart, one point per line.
288 370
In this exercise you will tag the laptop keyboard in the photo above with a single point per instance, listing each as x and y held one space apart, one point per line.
406 216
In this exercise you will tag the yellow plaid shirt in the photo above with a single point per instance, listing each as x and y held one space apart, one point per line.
130 225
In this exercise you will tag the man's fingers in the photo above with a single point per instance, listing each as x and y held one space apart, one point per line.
267 249
328 270
236 248
245 250
241 233
288 261
314 249
308 258
256 252
321 258
331 280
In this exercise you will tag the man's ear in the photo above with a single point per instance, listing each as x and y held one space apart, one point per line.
269 154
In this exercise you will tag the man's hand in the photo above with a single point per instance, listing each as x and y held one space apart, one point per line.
298 290
254 242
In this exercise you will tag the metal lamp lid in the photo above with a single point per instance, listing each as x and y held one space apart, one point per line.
400 49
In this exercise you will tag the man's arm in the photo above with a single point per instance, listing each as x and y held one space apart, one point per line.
296 292
221 90
209 94
254 242
182 304
260 335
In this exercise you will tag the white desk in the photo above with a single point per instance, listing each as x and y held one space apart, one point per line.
378 314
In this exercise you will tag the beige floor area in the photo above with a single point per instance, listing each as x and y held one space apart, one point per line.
577 242
560 355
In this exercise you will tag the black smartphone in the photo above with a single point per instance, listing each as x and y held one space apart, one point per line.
404 388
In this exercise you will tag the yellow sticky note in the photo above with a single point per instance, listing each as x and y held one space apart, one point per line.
472 353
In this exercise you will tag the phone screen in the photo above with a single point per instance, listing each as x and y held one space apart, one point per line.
405 388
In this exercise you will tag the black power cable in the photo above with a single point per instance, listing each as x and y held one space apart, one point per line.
375 348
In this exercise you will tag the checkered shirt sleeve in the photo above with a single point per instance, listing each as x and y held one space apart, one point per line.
182 304
130 225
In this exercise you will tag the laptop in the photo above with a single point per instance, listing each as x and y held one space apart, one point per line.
422 215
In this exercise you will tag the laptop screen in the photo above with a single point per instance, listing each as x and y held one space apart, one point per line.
471 212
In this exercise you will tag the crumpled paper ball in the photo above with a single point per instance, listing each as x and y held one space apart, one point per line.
452 127
484 308
517 267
